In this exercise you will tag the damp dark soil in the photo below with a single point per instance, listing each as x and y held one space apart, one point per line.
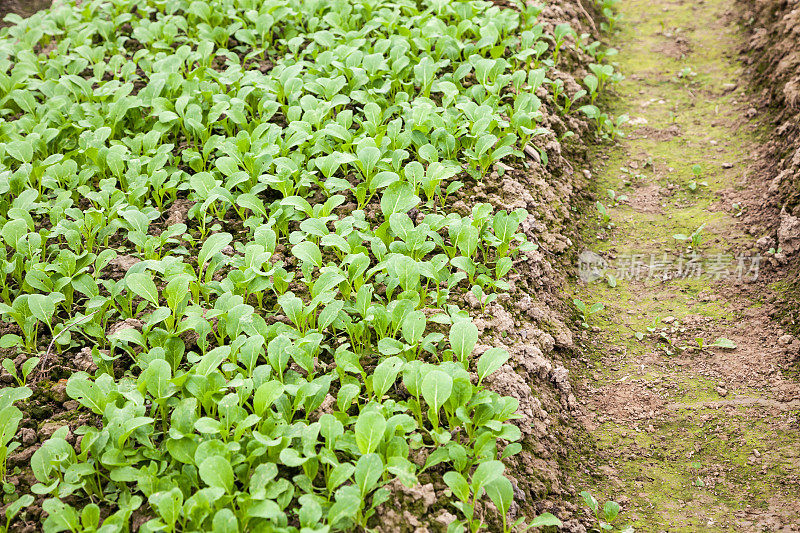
23 8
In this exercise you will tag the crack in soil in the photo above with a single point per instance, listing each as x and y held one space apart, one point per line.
690 437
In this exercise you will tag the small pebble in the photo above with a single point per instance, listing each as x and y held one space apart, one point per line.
785 340
28 436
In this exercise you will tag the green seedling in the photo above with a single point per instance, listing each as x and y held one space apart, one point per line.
252 217
695 239
586 311
721 342
695 184
592 83
605 516
592 48
686 75
565 135
605 216
557 87
604 74
611 13
650 329
560 34
483 298
25 370
14 508
673 117
615 126
654 325
10 417
615 198
607 126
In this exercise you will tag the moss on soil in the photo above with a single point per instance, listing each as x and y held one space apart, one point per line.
694 468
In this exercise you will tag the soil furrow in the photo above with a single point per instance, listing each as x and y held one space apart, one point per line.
691 436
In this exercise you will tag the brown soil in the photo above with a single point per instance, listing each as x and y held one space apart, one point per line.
772 53
24 8
691 437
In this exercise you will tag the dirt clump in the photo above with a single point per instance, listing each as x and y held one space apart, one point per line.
773 55
789 233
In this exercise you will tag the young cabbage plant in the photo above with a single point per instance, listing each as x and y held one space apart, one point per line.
605 216
560 33
20 504
721 342
25 370
606 515
10 417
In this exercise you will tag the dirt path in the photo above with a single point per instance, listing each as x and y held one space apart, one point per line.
689 439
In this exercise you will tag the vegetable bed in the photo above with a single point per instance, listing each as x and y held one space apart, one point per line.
287 265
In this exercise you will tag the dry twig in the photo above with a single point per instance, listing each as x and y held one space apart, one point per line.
588 17
44 360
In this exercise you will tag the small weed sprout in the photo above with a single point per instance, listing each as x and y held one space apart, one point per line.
721 342
695 184
605 216
685 75
615 198
586 311
695 239
604 516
